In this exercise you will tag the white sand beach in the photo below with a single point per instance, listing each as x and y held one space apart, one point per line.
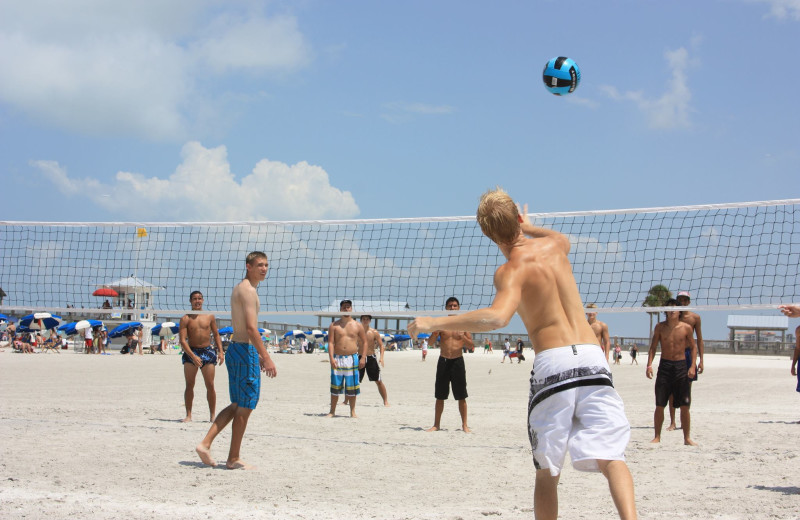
99 437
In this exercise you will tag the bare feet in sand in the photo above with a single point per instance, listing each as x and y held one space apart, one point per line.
689 442
672 427
205 455
466 429
239 464
188 418
656 440
433 429
331 415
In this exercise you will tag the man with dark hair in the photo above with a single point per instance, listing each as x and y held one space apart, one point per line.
344 337
246 354
693 320
195 332
450 370
673 377
373 364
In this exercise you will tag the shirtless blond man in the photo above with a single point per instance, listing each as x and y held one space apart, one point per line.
571 377
194 333
344 337
600 330
692 319
246 355
373 364
450 370
673 376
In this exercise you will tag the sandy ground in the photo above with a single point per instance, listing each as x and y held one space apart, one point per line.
99 437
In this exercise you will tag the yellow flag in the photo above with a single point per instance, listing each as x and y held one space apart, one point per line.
141 232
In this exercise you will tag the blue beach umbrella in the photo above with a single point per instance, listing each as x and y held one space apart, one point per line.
317 333
167 328
40 321
120 330
3 317
387 337
295 333
401 337
72 328
226 330
423 335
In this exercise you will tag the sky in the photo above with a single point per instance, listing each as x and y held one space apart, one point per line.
211 110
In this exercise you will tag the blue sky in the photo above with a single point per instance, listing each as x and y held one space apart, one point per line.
201 110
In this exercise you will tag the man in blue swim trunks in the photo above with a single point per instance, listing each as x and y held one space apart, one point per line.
572 404
195 338
344 337
246 354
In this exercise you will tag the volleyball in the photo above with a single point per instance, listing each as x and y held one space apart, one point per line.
561 75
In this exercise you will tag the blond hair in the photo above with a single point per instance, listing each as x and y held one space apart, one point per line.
591 306
498 216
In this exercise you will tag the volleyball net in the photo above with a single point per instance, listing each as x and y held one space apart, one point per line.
728 256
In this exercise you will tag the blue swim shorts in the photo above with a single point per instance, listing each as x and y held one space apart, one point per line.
244 374
344 378
206 354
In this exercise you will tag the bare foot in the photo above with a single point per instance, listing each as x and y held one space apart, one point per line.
331 415
656 440
689 442
466 429
188 418
205 455
672 427
433 429
239 464
353 415
386 404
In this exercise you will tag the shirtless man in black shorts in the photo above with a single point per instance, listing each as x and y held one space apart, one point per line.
693 319
673 377
451 369
372 367
195 338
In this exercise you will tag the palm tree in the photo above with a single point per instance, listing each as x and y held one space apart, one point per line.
657 296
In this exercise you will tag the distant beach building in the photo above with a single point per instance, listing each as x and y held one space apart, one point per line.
135 299
756 331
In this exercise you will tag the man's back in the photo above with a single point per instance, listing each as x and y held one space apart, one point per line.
549 302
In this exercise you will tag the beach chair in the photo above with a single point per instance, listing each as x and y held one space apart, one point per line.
49 345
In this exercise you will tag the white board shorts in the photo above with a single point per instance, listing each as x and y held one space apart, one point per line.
574 407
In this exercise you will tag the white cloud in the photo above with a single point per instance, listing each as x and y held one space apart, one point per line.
203 188
673 108
782 9
110 68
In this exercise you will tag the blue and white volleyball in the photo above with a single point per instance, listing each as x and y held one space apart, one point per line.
561 76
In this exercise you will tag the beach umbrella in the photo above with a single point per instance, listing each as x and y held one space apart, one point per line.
85 324
40 321
295 333
106 291
423 335
3 317
168 328
317 333
401 337
120 330
226 330
386 337
264 331
67 328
